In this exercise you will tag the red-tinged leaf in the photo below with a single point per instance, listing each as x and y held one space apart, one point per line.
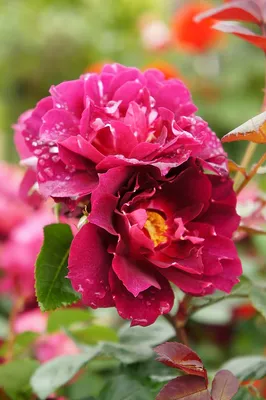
185 388
224 386
242 32
176 355
233 167
247 11
254 130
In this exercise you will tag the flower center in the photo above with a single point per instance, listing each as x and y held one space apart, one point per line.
156 227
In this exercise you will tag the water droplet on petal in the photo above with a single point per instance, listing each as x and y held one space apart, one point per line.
41 177
49 172
55 159
164 307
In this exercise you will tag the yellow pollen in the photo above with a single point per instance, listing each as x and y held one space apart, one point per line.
156 227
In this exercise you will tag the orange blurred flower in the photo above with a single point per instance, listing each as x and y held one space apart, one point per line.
166 68
192 36
96 66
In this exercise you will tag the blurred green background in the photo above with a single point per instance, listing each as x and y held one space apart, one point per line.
43 42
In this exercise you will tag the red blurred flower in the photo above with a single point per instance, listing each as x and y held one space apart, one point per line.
145 230
192 36
252 11
244 312
118 117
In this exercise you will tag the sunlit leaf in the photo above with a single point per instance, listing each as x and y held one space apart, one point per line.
247 368
254 130
22 343
66 317
151 335
57 372
15 376
258 299
95 333
178 356
224 386
53 289
235 10
186 388
127 354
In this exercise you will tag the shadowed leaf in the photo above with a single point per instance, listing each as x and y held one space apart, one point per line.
224 386
185 388
53 289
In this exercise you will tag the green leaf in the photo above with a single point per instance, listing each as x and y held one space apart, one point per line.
53 289
244 394
159 332
94 334
21 343
124 388
127 354
247 368
57 372
89 384
15 376
66 317
258 299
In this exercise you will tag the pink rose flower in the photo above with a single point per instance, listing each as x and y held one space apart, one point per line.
33 320
251 206
119 117
47 346
19 253
58 344
28 191
12 210
146 230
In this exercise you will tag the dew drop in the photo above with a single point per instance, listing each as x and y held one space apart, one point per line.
49 172
41 177
164 307
55 159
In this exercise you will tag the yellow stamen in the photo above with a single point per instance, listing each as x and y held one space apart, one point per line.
156 227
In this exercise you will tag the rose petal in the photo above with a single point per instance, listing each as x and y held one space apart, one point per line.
89 264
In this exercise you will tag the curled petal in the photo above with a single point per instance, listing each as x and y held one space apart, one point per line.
147 306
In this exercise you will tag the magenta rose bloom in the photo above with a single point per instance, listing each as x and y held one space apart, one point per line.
120 117
146 230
